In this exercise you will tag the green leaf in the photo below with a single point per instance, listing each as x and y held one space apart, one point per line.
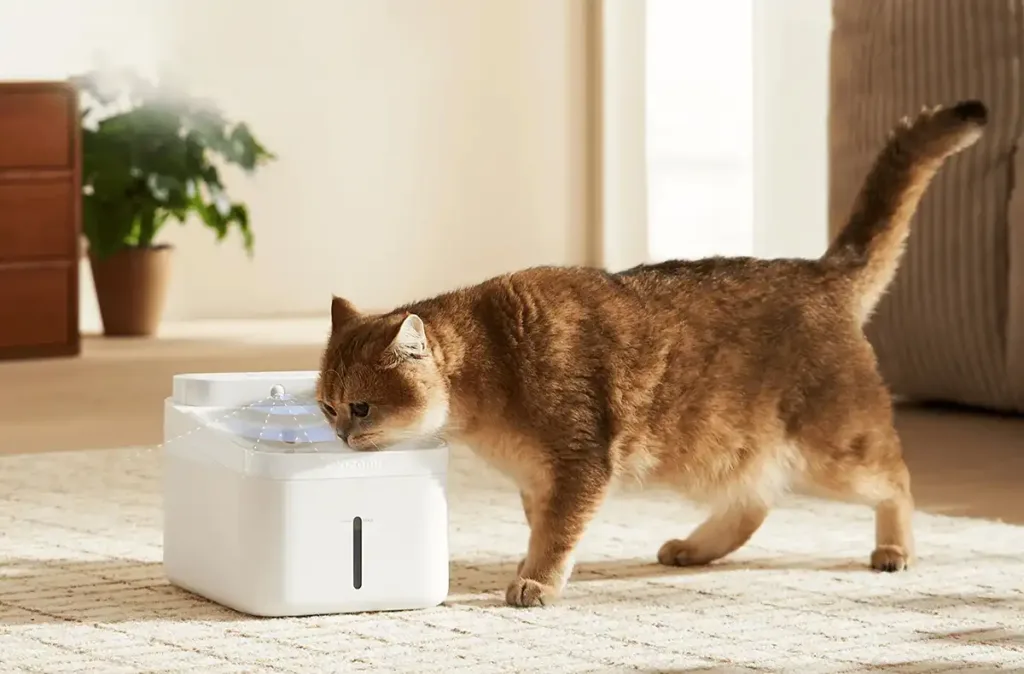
147 227
157 161
239 214
108 226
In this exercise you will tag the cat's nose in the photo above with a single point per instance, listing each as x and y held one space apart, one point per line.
343 434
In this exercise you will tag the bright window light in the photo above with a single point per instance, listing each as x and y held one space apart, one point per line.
699 128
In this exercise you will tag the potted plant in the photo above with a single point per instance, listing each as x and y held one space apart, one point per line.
150 156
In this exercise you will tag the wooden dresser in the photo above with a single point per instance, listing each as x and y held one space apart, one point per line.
40 219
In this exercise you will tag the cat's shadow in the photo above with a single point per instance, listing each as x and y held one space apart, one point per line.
469 580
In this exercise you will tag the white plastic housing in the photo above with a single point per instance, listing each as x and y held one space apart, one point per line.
268 513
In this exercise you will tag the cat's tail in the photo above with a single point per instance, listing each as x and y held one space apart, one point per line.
869 247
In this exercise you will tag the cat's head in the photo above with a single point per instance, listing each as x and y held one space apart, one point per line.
379 383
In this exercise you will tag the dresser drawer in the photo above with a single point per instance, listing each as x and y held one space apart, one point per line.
35 124
36 220
34 305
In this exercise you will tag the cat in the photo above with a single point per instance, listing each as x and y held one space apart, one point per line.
733 380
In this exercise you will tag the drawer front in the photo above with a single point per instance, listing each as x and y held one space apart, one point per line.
36 128
35 305
36 220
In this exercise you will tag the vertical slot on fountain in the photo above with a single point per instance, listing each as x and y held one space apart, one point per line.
357 552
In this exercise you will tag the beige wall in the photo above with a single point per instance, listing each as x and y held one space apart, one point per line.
422 145
425 143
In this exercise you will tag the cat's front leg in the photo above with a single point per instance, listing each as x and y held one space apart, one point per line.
558 517
528 507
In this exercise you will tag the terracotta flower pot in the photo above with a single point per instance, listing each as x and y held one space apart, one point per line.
131 289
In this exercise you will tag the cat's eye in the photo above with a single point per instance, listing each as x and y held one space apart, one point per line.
359 409
328 410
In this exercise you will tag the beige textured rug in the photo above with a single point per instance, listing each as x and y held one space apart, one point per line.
82 591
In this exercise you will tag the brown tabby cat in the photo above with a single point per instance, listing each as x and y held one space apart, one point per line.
733 380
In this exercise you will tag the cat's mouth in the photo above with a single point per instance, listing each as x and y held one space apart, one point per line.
366 442
378 441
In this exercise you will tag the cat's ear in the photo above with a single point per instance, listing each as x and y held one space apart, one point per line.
411 340
342 311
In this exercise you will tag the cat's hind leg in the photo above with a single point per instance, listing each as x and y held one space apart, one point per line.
890 494
868 468
725 531
741 488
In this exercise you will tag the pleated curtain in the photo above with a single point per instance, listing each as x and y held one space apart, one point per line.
951 328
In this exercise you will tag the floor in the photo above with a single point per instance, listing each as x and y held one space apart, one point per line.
83 586
963 463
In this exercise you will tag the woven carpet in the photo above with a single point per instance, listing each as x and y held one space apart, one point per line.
82 590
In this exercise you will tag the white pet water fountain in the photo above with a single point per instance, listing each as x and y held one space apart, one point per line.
267 512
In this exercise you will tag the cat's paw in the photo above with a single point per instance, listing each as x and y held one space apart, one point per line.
889 558
677 552
524 593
